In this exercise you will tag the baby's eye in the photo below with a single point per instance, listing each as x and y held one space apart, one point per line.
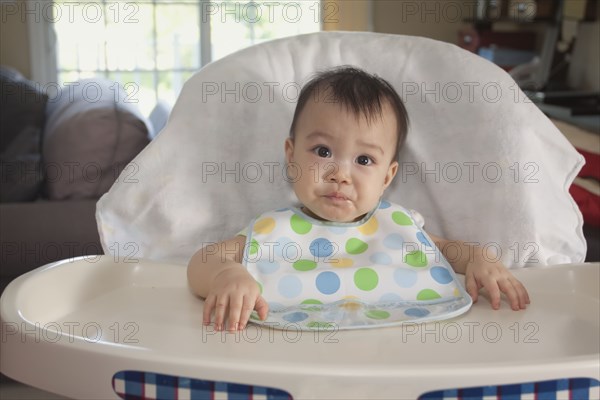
364 160
322 151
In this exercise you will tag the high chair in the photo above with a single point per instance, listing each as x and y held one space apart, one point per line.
481 163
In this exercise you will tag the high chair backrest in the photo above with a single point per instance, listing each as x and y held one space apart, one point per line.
481 163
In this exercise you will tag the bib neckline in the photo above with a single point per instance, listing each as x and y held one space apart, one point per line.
298 211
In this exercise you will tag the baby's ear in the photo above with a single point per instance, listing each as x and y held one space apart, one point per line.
289 149
391 173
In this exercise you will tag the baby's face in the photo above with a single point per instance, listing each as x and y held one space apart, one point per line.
343 163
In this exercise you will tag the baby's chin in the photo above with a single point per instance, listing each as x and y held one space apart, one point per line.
334 217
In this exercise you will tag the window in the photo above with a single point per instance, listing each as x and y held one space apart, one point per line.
153 46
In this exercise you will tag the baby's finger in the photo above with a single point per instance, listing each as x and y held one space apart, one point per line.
209 304
261 307
246 311
472 287
491 285
507 287
522 293
235 309
220 308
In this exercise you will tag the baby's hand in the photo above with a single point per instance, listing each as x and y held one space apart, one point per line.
496 278
234 289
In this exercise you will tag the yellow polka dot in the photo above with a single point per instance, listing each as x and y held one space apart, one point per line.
341 262
350 297
351 306
456 292
264 225
370 227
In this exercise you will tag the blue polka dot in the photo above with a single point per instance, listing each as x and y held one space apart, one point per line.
282 209
441 275
417 312
380 258
274 306
267 266
384 204
405 277
285 248
423 239
328 282
295 316
390 298
322 247
393 241
338 230
290 286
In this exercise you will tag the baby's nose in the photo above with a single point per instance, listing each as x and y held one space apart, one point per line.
337 172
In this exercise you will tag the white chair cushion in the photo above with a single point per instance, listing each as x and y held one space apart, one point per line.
503 169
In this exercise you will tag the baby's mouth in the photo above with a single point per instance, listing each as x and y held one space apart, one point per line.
336 196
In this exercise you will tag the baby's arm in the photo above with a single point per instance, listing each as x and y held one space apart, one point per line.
216 273
481 272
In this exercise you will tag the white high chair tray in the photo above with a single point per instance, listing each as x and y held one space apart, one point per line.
68 327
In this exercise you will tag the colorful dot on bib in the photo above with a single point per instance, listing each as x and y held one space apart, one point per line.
304 265
405 278
381 258
421 238
416 312
322 247
311 305
401 218
384 204
390 298
377 314
416 259
264 225
369 227
428 294
290 286
328 282
286 248
350 306
393 241
340 262
300 225
356 246
440 275
253 247
267 266
297 316
366 279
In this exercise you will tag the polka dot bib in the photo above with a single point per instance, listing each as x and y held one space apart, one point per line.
381 270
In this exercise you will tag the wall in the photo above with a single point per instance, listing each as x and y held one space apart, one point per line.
14 38
436 19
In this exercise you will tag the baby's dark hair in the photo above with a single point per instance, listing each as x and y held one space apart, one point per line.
360 92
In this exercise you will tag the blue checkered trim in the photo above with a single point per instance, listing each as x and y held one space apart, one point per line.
139 385
572 389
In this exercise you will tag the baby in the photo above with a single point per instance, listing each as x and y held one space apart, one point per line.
344 141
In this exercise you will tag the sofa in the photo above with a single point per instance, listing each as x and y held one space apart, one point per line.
58 154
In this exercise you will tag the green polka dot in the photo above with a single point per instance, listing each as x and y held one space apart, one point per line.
311 305
355 246
259 287
320 325
377 314
312 301
254 316
253 247
300 225
401 218
428 294
416 259
304 265
366 279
